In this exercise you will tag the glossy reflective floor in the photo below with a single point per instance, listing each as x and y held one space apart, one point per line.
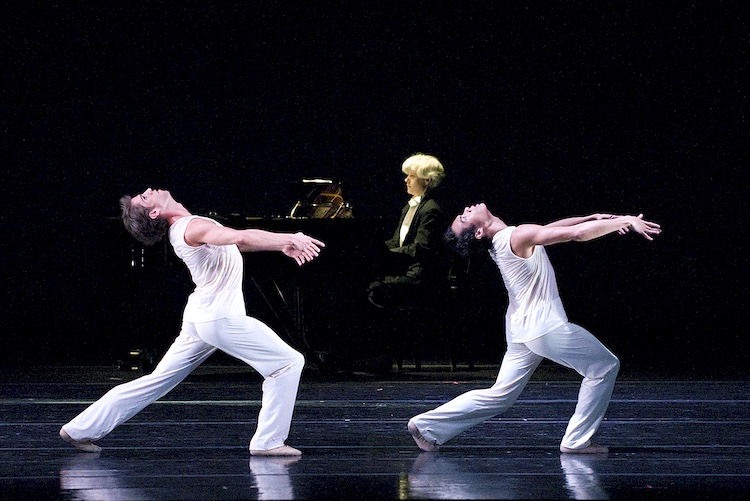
668 440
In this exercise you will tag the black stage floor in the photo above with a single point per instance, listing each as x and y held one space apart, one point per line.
672 439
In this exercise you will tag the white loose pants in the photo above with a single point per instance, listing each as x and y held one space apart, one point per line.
571 346
245 338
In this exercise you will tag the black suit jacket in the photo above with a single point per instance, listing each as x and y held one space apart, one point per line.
421 256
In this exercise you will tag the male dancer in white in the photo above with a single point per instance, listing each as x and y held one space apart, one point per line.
536 325
214 318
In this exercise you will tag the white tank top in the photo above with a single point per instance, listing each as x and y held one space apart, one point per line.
216 271
534 306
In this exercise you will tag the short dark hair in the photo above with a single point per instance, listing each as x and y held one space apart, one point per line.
465 244
146 230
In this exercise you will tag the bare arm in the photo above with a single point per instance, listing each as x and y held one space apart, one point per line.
572 221
300 247
526 236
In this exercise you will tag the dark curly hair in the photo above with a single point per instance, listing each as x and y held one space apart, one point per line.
138 223
465 244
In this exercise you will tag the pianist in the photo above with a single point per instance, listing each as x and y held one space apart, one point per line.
415 248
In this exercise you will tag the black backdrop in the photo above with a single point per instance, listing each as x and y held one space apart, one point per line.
540 109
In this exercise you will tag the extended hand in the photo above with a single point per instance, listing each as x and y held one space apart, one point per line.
643 227
303 248
621 231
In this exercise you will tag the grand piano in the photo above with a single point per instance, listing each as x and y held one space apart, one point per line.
316 307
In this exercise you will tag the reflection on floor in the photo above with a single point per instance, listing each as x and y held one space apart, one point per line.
668 440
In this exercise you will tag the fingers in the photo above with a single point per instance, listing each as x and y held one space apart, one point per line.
306 255
304 248
302 259
652 227
311 251
310 240
647 231
310 247
649 223
309 244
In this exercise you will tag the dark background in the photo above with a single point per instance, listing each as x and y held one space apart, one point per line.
540 109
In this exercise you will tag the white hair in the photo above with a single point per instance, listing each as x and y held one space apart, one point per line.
424 167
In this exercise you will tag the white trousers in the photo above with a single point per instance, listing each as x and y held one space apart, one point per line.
571 346
245 338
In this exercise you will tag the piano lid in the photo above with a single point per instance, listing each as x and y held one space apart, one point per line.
318 199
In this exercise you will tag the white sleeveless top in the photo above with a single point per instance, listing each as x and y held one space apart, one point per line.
216 271
534 306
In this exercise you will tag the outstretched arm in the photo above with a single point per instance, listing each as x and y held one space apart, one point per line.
572 221
300 247
526 236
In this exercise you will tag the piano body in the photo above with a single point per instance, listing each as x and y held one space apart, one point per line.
311 306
